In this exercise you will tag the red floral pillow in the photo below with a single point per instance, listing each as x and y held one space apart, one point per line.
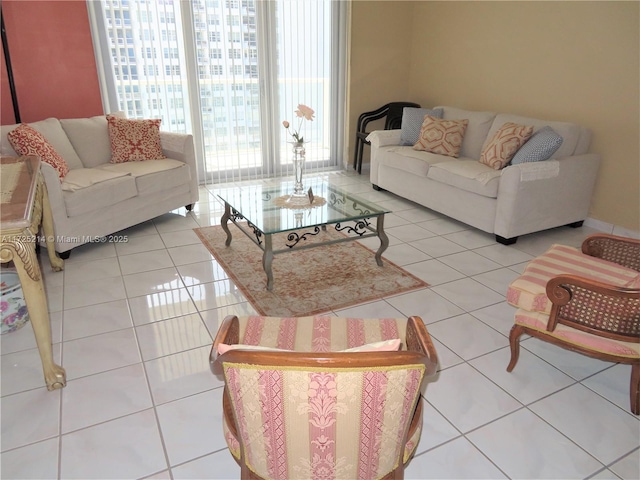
134 140
26 140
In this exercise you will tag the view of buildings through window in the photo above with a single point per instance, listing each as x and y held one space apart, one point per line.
229 71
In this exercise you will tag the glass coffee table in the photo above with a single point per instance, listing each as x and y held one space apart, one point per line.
262 210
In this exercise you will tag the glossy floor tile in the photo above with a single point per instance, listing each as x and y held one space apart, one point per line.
133 323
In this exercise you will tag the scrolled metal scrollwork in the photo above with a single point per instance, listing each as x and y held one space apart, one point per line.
360 227
293 238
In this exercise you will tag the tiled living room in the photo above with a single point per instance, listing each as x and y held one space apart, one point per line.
133 319
141 402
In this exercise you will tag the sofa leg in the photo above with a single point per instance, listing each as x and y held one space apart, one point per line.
635 389
506 241
575 224
65 255
189 207
377 188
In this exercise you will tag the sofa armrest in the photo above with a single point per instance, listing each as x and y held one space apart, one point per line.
382 138
179 146
54 192
531 200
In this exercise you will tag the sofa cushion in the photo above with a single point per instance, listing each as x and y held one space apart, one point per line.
134 140
505 142
469 175
25 140
443 137
90 139
528 291
410 160
153 175
85 177
412 119
569 132
100 195
477 129
539 147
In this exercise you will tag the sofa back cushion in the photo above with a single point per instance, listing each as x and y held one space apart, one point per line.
55 135
569 132
476 132
90 138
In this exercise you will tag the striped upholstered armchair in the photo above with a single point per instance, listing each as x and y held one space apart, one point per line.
297 407
586 301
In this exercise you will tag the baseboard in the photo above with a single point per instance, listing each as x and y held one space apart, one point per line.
610 228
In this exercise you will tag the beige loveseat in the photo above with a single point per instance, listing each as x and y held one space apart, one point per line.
98 198
516 200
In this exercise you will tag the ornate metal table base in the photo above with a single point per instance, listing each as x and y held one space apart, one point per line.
264 240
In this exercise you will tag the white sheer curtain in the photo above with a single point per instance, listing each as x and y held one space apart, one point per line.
229 71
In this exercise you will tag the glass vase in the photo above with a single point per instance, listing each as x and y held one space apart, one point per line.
298 168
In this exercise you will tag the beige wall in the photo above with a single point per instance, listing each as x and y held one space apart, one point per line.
379 60
568 61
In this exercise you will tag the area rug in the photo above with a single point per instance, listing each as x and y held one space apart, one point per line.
309 281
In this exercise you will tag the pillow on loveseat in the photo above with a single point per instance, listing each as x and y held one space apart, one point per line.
26 140
134 140
412 119
497 153
443 137
542 144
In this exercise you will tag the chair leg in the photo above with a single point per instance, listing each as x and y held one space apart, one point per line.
514 343
355 154
635 389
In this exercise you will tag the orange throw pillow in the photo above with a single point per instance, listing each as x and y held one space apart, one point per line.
505 143
26 140
134 140
441 136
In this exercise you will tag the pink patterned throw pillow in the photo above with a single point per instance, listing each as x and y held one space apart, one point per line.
439 136
505 143
134 140
26 140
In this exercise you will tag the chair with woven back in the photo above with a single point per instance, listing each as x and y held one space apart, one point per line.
585 301
295 407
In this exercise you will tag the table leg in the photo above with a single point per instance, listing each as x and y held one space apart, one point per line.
267 258
24 258
223 223
57 263
384 240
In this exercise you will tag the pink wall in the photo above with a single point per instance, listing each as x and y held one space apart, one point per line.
52 58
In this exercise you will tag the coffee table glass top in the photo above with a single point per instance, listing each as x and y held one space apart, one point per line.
260 204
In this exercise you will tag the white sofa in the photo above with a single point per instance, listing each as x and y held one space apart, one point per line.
97 198
510 202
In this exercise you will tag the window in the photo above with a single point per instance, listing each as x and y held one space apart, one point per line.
242 105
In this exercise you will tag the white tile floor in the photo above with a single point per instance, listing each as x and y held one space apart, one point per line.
133 323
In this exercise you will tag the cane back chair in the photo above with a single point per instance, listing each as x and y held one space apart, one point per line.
586 301
313 412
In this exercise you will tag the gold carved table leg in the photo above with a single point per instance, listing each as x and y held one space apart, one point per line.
19 245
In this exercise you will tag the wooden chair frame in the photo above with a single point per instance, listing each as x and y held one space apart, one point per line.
419 350
595 308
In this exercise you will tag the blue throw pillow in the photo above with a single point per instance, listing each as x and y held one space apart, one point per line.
412 119
539 147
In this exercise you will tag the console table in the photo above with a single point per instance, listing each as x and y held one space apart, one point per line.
24 207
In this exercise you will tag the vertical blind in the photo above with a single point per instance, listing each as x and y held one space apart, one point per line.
229 72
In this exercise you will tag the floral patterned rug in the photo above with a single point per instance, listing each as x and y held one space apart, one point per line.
309 281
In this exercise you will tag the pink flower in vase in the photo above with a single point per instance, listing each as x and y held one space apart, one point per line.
303 113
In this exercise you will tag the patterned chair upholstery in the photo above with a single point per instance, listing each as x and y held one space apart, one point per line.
295 406
586 301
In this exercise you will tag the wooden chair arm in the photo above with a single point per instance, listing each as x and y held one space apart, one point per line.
229 333
594 307
418 340
621 250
